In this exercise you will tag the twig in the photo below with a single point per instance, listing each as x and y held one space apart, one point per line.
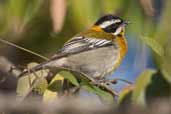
35 81
23 49
114 81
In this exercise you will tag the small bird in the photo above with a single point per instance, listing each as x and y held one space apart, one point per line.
95 52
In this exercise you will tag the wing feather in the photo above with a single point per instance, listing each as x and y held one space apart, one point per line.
78 44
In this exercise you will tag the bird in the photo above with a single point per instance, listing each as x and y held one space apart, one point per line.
95 52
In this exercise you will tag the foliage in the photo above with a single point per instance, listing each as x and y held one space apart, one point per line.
32 25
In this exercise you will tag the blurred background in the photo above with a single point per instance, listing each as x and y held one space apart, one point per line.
43 26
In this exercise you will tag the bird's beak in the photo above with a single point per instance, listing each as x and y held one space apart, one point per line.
125 23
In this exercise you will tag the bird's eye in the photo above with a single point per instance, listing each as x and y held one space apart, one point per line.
111 26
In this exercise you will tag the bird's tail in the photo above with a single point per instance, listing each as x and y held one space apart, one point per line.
57 62
29 71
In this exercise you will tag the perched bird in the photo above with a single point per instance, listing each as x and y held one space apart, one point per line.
95 52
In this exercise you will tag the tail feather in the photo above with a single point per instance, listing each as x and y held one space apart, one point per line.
34 69
60 62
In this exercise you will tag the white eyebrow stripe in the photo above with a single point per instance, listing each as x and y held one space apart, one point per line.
107 23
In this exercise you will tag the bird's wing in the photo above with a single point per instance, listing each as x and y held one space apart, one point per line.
79 44
73 46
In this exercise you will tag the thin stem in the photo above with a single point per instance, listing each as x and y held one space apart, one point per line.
123 80
23 49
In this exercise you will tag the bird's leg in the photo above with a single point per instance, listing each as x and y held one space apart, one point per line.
104 84
101 81
105 81
114 81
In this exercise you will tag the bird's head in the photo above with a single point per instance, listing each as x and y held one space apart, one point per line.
111 24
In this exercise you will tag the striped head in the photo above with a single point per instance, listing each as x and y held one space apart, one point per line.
111 24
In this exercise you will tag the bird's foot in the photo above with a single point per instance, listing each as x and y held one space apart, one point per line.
104 84
101 82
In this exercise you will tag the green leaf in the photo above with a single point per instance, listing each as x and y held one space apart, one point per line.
153 44
105 96
31 81
162 35
166 62
158 88
125 95
40 86
54 88
165 69
56 85
141 83
69 76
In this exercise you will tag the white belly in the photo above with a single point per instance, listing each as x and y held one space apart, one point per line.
94 63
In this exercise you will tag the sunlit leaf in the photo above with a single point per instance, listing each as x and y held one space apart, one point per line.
158 88
27 83
67 75
105 96
163 28
54 88
40 86
163 36
125 95
155 46
141 83
49 96
166 71
166 62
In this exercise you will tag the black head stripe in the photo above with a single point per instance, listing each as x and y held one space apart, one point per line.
112 28
107 18
109 23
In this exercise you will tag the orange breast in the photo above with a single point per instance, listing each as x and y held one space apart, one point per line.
122 43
